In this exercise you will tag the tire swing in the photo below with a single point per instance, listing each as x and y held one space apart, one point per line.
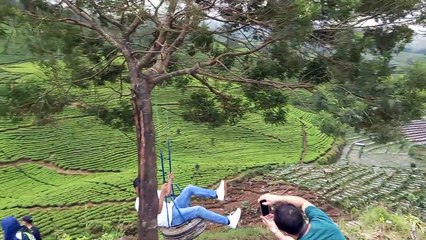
188 230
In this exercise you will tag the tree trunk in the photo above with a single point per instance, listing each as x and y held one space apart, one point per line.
147 167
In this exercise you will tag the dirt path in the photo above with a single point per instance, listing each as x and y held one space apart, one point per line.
17 127
82 205
304 143
47 165
244 192
47 121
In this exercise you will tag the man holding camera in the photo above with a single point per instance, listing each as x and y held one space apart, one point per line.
287 222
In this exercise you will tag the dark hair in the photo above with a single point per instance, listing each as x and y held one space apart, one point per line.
27 219
289 219
136 182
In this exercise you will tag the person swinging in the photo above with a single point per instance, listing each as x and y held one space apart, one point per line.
180 211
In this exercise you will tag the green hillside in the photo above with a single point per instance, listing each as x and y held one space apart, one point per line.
404 59
76 169
358 186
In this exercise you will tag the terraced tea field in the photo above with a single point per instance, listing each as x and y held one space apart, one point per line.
415 131
361 149
77 169
356 186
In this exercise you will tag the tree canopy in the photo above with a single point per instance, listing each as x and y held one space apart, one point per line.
270 45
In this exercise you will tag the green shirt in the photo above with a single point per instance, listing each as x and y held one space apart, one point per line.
322 226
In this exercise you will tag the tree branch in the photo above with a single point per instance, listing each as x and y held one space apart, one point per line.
75 22
162 77
159 43
63 20
268 83
100 71
179 40
133 26
105 17
157 8
236 54
79 11
139 20
92 24
205 82
212 62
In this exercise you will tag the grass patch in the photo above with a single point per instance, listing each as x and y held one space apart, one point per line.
379 223
418 152
237 234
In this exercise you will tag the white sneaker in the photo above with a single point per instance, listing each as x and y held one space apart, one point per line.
234 218
221 191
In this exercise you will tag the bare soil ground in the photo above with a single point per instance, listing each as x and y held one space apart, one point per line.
244 193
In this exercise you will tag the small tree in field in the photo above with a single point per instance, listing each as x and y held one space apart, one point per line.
266 47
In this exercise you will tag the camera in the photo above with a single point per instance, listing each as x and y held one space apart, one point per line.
264 208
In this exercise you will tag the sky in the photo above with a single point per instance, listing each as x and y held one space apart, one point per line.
418 43
419 39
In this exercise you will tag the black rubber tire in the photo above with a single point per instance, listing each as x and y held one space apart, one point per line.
187 231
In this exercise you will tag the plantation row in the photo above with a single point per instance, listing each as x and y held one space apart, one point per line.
29 186
75 143
74 220
416 132
355 186
317 141
361 149
11 58
84 143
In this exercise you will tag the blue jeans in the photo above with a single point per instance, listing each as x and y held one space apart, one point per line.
183 212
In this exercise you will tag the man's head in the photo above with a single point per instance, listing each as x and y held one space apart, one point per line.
27 220
136 184
289 219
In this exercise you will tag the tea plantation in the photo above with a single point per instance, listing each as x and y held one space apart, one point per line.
77 169
358 186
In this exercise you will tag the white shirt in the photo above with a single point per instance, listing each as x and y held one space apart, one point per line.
19 235
162 217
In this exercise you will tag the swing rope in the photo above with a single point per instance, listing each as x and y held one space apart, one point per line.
189 229
172 196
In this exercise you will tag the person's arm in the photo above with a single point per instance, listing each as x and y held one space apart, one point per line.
165 191
269 222
272 199
161 197
36 233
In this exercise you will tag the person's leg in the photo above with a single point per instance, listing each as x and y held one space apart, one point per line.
184 198
189 213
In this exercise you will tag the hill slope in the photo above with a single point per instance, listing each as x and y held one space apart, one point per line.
76 169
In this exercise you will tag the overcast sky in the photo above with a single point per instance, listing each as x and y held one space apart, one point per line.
418 43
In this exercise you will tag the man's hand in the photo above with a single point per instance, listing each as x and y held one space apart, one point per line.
166 189
268 220
170 177
271 199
